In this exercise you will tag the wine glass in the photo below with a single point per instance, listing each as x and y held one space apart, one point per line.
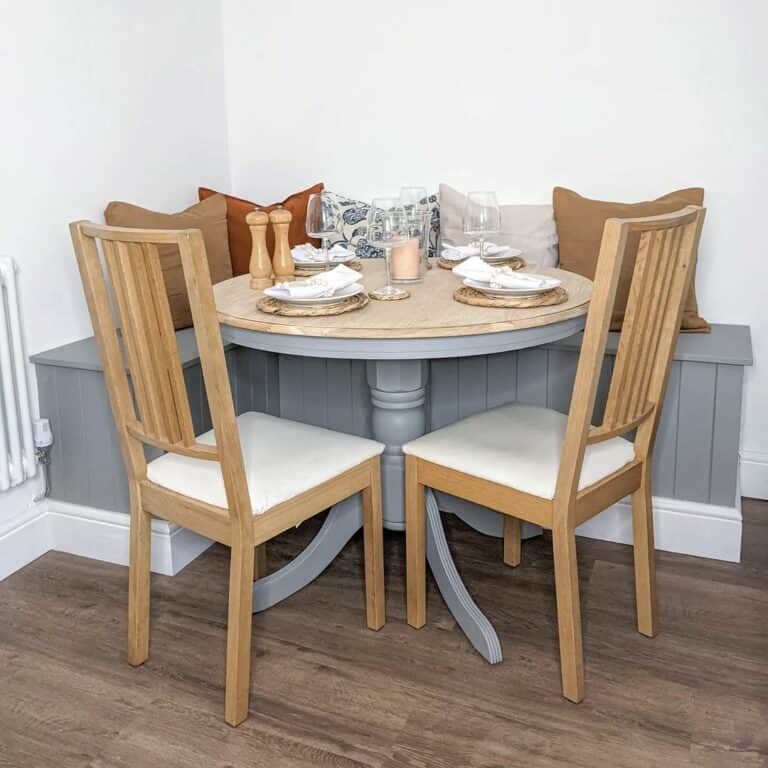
482 217
387 229
413 199
321 222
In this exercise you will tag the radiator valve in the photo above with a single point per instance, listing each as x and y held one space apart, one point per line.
41 429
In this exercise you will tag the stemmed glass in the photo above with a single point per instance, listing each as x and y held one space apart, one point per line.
482 217
413 199
322 221
387 229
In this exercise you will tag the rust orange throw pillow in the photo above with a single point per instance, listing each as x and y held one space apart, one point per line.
240 234
580 224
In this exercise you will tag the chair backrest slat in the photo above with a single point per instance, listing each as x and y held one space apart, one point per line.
157 412
661 279
164 411
657 260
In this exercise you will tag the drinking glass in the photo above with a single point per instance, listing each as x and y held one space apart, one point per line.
415 201
387 229
321 222
482 217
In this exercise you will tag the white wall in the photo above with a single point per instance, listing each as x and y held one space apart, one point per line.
101 100
618 100
104 100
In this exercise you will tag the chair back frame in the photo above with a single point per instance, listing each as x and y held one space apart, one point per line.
664 270
155 410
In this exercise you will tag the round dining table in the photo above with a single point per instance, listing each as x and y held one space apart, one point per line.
397 339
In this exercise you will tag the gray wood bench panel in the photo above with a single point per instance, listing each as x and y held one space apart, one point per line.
86 465
696 456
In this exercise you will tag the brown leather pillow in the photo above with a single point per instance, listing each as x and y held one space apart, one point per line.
240 234
210 217
580 224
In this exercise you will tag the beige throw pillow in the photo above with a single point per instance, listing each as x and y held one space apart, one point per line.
531 228
580 223
209 216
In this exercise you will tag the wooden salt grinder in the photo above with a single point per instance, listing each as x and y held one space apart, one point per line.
260 266
282 261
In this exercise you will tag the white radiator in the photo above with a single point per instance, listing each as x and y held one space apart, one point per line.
17 450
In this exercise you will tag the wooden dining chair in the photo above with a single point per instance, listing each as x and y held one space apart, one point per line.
244 482
558 471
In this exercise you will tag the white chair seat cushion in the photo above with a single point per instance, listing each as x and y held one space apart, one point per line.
282 459
518 446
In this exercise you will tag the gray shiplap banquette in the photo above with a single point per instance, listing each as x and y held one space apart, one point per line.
696 458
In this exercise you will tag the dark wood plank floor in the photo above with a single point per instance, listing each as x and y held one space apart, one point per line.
327 692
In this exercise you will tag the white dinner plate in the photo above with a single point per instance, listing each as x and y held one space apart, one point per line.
508 253
504 253
548 285
344 293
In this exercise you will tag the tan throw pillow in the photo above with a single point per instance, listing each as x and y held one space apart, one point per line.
531 228
240 233
210 217
580 224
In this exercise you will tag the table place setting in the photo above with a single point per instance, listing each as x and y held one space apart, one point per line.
332 292
481 220
487 285
309 260
506 255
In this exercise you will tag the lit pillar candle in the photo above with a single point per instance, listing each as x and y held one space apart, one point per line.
405 260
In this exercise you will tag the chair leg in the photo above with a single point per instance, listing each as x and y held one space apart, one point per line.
138 583
415 547
645 559
373 538
568 613
260 562
513 530
239 621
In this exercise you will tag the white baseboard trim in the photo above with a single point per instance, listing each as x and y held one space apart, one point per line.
23 538
104 535
89 532
685 527
754 474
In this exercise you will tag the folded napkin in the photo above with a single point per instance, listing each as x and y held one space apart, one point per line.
461 252
318 286
308 252
497 277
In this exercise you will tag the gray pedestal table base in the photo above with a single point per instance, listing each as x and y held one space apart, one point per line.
398 396
397 372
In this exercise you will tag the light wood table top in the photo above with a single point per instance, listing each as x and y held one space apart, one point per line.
430 312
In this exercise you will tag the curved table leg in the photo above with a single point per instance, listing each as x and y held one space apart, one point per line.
470 618
341 524
482 519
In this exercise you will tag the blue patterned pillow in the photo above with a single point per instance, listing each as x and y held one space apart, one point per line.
353 215
433 203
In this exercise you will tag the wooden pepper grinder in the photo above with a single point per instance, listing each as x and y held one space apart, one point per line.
282 261
260 265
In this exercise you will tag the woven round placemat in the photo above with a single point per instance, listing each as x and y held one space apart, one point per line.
274 307
515 263
355 264
467 295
